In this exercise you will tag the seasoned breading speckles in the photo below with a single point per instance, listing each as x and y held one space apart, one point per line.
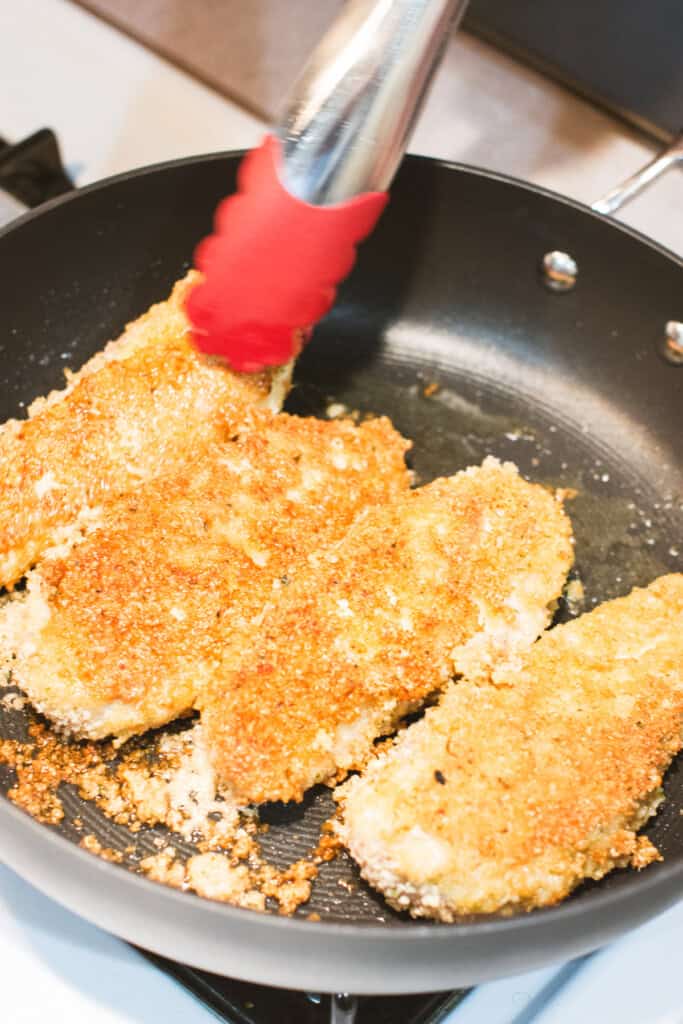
513 790
453 575
117 635
137 410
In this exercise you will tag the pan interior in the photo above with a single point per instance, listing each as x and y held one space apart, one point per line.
445 328
624 527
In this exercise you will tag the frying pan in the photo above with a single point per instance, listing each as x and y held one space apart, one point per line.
571 385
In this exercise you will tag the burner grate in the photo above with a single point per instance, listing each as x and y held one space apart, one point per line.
240 1002
31 171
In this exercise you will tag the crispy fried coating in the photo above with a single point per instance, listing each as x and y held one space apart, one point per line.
138 409
117 635
448 577
513 790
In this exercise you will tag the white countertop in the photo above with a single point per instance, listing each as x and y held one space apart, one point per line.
114 106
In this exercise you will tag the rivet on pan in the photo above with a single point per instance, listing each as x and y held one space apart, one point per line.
559 271
672 343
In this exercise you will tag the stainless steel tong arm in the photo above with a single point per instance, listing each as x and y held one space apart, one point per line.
349 116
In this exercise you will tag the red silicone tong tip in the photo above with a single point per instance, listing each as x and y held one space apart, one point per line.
272 267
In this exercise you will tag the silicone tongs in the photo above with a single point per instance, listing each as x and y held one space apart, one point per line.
317 184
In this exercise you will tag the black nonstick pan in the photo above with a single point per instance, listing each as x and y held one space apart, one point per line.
572 385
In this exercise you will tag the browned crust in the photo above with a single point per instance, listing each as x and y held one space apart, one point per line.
139 613
137 410
453 574
512 791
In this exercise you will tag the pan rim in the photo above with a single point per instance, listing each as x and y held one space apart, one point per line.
598 902
397 935
413 158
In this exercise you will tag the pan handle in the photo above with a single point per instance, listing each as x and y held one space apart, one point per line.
630 188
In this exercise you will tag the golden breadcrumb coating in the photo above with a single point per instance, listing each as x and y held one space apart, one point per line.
134 411
117 634
514 789
448 577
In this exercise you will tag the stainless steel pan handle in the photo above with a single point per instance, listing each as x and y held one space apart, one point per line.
560 271
630 188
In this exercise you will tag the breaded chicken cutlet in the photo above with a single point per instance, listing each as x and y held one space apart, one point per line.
135 411
448 578
118 634
515 789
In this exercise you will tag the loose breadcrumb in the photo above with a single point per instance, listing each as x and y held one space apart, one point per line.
575 596
92 844
165 783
